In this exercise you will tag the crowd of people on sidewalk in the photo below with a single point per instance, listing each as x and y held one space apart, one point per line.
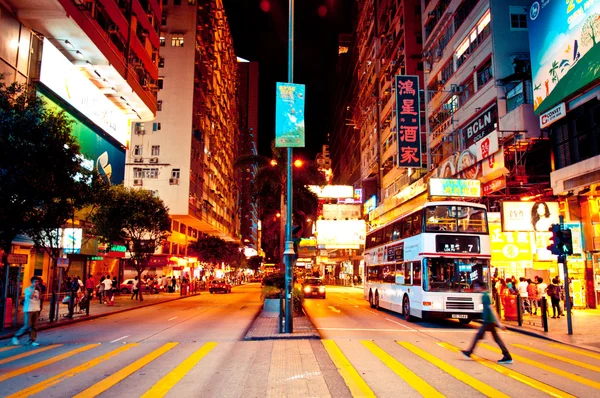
533 292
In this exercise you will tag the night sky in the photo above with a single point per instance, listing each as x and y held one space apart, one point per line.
260 33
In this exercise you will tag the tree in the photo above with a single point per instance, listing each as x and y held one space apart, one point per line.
136 218
209 249
589 30
42 179
254 263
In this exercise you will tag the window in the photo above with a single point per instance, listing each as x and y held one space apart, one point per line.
165 2
473 40
484 74
454 275
160 83
155 150
453 218
161 62
191 2
175 173
137 150
177 40
176 2
139 172
155 126
416 273
163 20
159 105
518 18
163 35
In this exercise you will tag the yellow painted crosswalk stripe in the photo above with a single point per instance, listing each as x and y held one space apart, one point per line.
163 386
408 375
49 361
36 388
454 372
576 350
538 385
28 353
2 349
116 377
571 376
356 384
559 357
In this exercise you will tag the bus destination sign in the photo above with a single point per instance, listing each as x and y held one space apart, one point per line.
457 244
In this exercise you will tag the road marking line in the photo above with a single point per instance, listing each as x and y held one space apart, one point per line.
543 387
575 350
373 312
162 387
454 372
369 330
28 353
115 378
120 338
332 308
540 365
405 373
36 388
398 323
358 387
559 357
2 349
49 361
175 317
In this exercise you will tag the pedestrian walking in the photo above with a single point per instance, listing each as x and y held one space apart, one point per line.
173 284
31 309
135 288
522 289
90 284
107 289
532 294
490 322
553 291
101 290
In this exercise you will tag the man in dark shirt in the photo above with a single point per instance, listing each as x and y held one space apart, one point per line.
490 322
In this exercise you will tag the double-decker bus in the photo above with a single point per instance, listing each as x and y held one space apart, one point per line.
423 264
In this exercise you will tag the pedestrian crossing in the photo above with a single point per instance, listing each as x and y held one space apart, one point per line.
366 368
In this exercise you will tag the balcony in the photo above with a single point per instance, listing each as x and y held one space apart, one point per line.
519 111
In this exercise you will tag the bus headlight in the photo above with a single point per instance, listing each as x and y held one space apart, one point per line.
480 307
436 305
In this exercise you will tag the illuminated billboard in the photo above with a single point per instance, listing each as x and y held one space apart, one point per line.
455 187
289 115
72 85
565 48
332 191
341 234
529 216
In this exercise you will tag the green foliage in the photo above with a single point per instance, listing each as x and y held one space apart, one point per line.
276 279
135 217
254 262
209 249
270 292
297 300
41 178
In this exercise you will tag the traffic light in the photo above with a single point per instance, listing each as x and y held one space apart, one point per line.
555 240
566 242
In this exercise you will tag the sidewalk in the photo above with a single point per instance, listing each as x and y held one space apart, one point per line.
122 303
586 328
264 328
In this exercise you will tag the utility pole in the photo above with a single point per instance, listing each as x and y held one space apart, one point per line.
563 259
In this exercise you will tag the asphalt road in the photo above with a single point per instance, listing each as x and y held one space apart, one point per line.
194 348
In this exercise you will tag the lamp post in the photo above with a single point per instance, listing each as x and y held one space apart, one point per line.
288 254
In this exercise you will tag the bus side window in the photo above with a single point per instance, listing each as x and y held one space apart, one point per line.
397 230
406 226
416 266
407 272
399 274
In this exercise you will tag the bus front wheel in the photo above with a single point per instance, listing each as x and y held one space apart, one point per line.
406 309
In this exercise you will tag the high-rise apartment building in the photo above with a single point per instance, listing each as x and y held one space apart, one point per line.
97 62
186 155
248 146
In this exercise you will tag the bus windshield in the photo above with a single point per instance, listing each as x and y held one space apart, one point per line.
454 275
446 218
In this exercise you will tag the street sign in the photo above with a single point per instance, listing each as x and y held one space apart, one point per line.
17 258
62 262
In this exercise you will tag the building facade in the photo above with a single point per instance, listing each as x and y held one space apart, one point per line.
186 154
248 146
97 62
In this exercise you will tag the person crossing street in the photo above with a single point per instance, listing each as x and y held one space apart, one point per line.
31 308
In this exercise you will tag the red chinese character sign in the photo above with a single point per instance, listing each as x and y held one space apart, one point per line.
408 121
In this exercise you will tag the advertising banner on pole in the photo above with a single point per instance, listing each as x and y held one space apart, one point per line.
289 115
408 121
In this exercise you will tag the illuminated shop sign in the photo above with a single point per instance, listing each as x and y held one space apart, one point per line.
332 191
552 115
529 216
408 121
341 234
563 37
289 115
71 240
370 205
455 188
481 126
73 86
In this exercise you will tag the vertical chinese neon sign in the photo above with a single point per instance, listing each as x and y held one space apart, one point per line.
408 121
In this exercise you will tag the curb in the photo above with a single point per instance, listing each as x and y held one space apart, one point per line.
312 334
92 317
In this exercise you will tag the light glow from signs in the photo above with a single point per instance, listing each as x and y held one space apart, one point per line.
529 216
332 191
71 240
370 205
72 85
342 234
449 187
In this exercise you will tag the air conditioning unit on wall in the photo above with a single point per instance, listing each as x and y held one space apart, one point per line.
138 160
138 182
174 181
153 160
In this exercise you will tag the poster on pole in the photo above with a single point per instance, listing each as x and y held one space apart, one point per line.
289 115
408 121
